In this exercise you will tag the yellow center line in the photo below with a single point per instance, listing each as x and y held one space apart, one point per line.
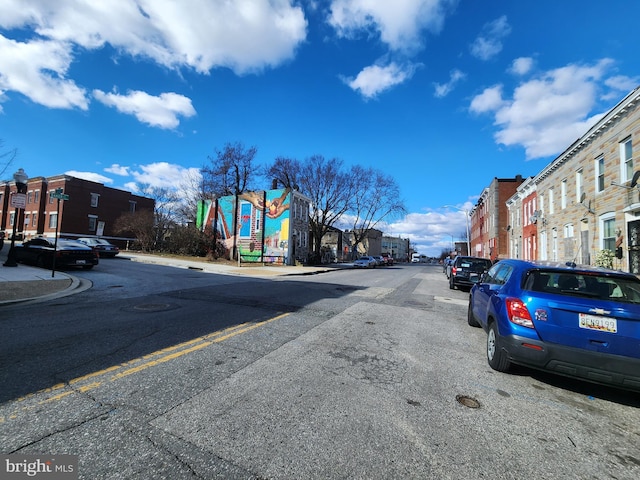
150 360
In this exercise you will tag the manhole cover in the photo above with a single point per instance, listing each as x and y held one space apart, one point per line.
467 401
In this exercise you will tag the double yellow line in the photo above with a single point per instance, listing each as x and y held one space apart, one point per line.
94 380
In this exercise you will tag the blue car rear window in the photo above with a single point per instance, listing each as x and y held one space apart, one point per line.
602 287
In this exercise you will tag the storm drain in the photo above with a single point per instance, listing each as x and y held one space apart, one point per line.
467 401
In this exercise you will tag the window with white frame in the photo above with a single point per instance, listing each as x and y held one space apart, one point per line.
551 204
626 160
132 206
34 219
94 199
53 220
543 245
579 186
36 196
600 174
568 230
12 218
554 244
93 222
563 194
607 231
27 220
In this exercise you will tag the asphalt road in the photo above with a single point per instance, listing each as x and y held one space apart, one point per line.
157 372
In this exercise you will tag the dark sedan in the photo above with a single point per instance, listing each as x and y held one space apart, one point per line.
104 247
40 252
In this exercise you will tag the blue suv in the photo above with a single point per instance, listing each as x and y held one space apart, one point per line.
578 321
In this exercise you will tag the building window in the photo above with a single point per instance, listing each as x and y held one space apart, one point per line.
568 230
563 194
543 245
30 196
27 220
626 160
94 199
554 245
600 174
132 206
53 220
579 186
12 218
93 223
607 231
50 197
551 204
36 196
258 220
34 218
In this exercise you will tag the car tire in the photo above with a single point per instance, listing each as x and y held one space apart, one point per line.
471 318
496 357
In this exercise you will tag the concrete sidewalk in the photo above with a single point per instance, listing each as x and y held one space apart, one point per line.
26 283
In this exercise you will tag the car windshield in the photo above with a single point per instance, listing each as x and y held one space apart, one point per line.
599 286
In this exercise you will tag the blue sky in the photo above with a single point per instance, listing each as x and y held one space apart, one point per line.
444 95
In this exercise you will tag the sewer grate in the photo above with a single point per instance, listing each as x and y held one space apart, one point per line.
467 401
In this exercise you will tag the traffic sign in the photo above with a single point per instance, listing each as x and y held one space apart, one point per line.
59 195
19 200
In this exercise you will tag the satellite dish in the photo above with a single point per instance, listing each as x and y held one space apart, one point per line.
584 195
508 227
634 180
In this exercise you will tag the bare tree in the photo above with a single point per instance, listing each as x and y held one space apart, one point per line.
190 191
285 171
230 172
139 225
377 199
165 210
331 190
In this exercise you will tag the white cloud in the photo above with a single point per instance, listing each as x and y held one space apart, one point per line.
488 101
489 43
399 23
245 36
521 66
547 113
443 89
163 175
375 79
37 70
118 170
91 176
161 111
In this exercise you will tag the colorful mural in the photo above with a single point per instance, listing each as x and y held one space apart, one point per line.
262 228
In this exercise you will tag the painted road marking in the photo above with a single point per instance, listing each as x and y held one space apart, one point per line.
94 380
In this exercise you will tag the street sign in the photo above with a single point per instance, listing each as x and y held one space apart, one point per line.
59 195
19 200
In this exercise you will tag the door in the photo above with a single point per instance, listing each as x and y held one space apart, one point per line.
633 234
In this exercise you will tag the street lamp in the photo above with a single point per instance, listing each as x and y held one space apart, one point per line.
466 216
18 199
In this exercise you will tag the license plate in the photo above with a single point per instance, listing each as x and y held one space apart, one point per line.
602 324
80 262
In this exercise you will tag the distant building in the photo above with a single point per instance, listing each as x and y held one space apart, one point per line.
490 217
91 209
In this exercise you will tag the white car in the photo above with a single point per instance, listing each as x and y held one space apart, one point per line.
365 262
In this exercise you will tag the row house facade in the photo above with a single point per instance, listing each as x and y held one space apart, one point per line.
91 210
489 217
587 199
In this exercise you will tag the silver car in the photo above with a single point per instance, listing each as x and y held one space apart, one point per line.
365 262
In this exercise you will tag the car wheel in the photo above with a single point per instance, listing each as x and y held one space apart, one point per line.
495 355
471 318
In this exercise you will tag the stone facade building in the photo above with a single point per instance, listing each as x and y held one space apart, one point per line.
587 199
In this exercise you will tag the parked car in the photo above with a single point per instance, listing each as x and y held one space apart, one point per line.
466 271
365 262
388 259
40 252
104 247
379 260
579 321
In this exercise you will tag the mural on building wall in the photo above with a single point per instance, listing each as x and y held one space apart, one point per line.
262 228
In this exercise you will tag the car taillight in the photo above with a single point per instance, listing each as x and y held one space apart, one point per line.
453 270
518 313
